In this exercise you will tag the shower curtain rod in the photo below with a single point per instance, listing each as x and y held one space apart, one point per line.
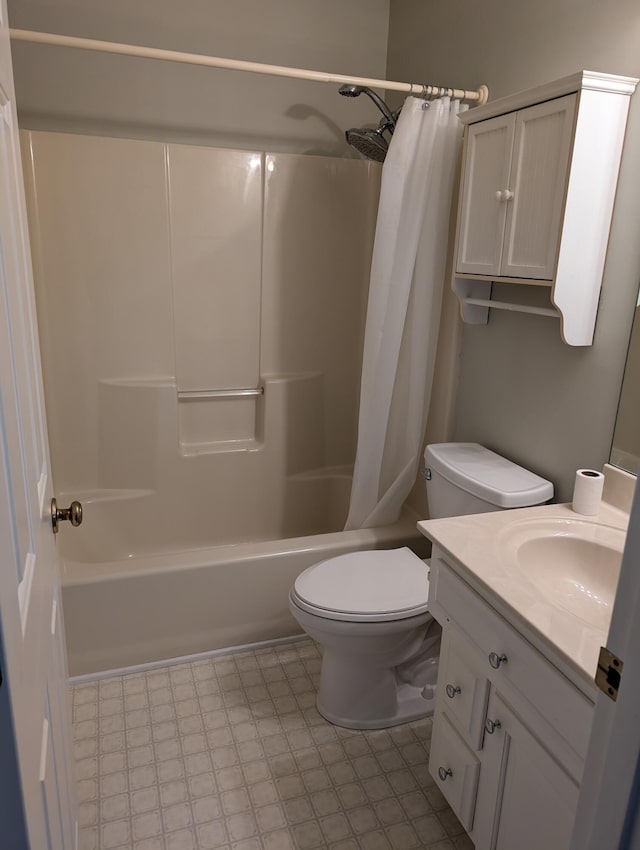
480 96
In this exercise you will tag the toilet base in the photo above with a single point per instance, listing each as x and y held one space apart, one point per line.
375 673
411 705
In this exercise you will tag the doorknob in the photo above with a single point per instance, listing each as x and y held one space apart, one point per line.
73 513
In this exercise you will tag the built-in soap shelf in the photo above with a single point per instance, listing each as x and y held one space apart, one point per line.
218 420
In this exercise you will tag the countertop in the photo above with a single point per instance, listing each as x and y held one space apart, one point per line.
474 548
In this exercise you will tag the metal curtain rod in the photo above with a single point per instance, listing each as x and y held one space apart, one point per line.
480 96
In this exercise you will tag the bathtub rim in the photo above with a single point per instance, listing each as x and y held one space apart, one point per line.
89 572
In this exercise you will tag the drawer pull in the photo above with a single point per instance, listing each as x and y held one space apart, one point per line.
496 660
452 690
492 725
444 773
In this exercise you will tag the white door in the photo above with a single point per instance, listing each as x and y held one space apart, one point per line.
609 806
37 807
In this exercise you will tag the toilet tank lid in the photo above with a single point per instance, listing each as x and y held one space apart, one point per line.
487 475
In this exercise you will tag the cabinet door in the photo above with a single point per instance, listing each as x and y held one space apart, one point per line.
462 685
483 206
538 180
455 769
537 799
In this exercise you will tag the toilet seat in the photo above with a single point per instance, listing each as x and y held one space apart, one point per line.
370 586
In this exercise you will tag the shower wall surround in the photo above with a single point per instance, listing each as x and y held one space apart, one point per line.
164 268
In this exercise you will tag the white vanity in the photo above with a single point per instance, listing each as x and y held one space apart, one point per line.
524 599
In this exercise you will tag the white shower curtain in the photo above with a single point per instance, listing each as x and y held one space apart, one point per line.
405 295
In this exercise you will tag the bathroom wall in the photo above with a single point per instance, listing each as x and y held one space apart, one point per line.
85 92
521 390
164 269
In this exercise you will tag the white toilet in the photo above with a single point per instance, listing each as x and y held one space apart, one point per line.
369 610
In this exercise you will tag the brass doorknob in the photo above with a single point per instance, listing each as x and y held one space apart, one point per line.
73 513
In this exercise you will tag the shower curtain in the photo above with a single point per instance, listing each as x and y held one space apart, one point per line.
403 314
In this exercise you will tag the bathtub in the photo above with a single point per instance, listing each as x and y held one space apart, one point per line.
145 607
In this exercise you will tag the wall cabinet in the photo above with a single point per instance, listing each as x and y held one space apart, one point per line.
510 731
515 175
536 198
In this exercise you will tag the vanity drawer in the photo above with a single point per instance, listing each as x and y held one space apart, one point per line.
553 696
455 769
462 693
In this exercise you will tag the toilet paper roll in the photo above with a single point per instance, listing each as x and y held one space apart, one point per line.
587 491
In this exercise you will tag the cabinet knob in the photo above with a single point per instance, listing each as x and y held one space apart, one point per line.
503 195
491 726
452 690
496 660
444 773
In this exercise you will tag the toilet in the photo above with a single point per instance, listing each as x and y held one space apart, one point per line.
369 610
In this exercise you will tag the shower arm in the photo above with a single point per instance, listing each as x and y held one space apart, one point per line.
479 97
390 125
382 106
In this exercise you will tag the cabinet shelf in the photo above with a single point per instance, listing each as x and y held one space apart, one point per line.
540 170
476 301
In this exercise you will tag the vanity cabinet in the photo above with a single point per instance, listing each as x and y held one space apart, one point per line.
540 170
510 730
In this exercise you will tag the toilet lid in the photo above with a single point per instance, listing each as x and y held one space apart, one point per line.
382 584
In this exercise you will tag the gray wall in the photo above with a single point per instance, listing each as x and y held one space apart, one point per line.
522 391
79 91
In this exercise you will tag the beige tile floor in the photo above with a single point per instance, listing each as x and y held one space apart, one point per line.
229 753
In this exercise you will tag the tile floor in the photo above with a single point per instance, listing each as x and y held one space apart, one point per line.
229 753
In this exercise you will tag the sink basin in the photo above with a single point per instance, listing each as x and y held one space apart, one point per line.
574 563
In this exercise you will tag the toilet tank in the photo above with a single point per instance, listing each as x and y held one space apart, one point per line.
466 478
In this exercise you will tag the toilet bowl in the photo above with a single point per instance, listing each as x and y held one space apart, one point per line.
369 610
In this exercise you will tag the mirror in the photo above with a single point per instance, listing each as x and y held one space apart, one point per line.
625 451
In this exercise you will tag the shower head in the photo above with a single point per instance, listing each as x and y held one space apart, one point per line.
371 143
350 91
356 91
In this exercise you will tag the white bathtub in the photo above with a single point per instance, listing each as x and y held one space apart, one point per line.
146 607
